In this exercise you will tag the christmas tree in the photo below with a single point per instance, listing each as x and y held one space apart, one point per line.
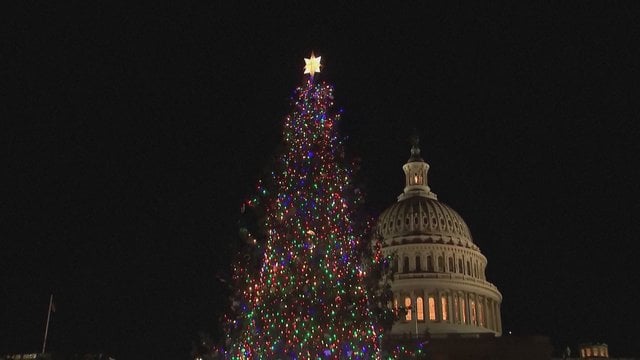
301 288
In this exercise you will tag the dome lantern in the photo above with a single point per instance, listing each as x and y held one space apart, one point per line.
415 171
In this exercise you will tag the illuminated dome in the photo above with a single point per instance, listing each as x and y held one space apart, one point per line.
418 215
438 271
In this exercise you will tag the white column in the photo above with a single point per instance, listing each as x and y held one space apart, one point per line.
450 307
414 312
466 308
485 308
499 316
490 321
496 307
438 306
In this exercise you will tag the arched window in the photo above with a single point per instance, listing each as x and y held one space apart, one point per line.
406 264
481 313
407 306
440 264
429 263
452 268
468 268
445 307
463 310
418 265
419 309
432 308
460 269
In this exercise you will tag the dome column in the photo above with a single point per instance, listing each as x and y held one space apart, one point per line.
467 308
490 312
495 315
499 319
456 307
450 307
439 306
485 312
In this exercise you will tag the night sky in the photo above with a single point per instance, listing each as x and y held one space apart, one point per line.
130 136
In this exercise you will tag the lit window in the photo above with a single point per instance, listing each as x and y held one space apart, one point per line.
463 310
395 305
588 352
432 308
420 308
407 305
417 179
481 313
445 308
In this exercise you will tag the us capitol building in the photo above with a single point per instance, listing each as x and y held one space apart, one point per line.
439 284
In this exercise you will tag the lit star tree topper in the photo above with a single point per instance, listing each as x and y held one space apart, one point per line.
312 64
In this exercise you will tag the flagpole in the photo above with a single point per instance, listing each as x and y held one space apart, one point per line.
46 329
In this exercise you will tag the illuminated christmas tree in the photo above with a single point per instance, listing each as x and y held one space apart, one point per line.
301 282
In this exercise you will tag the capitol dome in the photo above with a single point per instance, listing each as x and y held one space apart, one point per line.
421 215
439 284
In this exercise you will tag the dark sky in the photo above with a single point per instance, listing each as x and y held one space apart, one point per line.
130 136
